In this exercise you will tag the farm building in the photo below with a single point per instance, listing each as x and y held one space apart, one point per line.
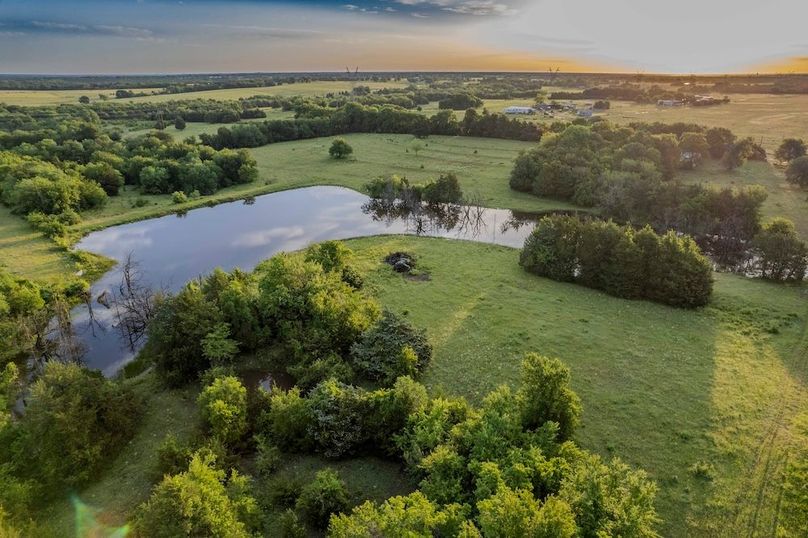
670 102
519 110
585 113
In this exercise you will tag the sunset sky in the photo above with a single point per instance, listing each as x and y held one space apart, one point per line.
155 36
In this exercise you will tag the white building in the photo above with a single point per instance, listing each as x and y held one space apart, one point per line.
519 110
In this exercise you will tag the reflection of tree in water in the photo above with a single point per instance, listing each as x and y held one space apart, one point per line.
420 218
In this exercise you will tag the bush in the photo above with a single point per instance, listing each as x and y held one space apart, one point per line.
446 190
390 349
666 269
340 149
223 406
546 395
173 457
778 252
75 421
797 172
339 424
289 420
790 149
176 332
197 502
179 197
324 496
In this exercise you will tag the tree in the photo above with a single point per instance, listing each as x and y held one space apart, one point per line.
176 332
179 123
693 147
223 405
510 514
105 175
546 396
340 149
75 421
324 496
790 149
780 255
797 171
719 140
84 100
736 154
197 502
416 146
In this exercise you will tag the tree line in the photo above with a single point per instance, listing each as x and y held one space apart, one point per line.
355 118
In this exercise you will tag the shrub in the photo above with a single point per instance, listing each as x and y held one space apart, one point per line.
267 457
289 420
446 190
390 349
797 171
666 269
517 513
779 253
197 502
173 457
105 175
179 123
75 421
179 197
546 395
324 496
340 149
790 149
176 331
223 405
338 418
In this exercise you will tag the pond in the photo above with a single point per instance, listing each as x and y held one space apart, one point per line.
171 250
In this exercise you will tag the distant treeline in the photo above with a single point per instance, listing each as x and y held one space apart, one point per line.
634 93
355 118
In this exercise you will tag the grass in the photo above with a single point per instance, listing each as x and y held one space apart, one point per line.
768 119
785 199
198 128
308 89
482 165
26 252
662 388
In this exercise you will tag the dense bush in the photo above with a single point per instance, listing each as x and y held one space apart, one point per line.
176 332
324 496
340 149
75 421
619 260
797 171
198 502
460 101
790 149
223 406
390 349
778 254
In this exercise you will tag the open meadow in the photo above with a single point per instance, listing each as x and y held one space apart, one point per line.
663 388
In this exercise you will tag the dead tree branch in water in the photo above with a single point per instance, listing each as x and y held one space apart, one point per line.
133 304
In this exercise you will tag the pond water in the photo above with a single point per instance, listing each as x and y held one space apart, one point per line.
173 249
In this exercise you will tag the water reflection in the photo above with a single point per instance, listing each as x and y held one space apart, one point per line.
170 251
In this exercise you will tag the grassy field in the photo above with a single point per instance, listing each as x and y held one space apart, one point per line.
482 165
26 252
662 388
318 87
768 119
55 97
785 199
197 128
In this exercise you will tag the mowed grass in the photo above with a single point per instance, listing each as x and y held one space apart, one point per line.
482 165
28 253
662 388
784 200
56 97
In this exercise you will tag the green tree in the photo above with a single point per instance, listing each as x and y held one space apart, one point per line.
517 514
218 347
74 422
223 406
84 100
719 140
197 502
340 149
780 255
790 149
105 175
383 352
797 171
179 123
324 496
546 395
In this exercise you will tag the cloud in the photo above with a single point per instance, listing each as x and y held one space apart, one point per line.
477 8
24 27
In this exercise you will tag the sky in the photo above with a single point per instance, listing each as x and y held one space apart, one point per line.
187 36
